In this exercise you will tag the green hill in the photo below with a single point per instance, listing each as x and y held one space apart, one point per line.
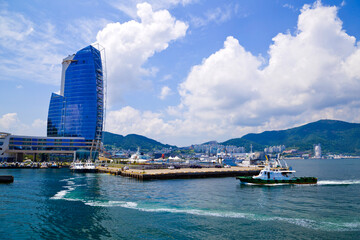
241 142
334 137
132 142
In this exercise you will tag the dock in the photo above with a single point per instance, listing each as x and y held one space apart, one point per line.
150 174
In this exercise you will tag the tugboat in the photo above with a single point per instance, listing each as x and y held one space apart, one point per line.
277 175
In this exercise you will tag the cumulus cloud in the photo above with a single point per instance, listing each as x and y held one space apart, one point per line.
311 74
11 123
129 7
8 120
165 91
129 120
129 45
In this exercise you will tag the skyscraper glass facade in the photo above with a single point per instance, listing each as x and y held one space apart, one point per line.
78 111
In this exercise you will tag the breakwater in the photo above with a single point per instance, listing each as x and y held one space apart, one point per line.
150 174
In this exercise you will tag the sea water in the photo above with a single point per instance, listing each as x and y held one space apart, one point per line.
59 204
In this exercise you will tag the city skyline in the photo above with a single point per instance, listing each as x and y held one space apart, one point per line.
186 72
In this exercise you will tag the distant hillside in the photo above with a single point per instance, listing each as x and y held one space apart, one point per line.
334 137
132 142
240 142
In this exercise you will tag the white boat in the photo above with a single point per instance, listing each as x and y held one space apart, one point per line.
44 165
80 167
54 165
139 157
89 166
275 175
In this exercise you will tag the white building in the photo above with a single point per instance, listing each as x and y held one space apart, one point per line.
317 151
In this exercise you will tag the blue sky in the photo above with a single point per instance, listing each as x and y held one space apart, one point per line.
187 71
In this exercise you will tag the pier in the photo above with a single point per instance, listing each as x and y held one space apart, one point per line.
150 174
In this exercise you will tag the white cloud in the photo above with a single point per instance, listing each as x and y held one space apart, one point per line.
308 73
166 78
287 5
39 124
11 123
311 74
84 30
129 45
8 120
217 15
129 7
30 49
165 91
129 120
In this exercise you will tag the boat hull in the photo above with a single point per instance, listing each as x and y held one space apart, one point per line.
84 170
300 180
6 179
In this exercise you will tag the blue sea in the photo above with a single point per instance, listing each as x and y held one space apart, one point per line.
59 204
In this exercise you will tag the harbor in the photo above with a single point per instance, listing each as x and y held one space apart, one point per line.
150 174
110 206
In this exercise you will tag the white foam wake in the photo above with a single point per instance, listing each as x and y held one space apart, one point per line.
111 204
68 188
338 182
61 194
322 182
306 223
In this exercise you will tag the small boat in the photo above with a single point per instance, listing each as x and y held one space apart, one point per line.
54 165
44 165
80 167
89 167
277 175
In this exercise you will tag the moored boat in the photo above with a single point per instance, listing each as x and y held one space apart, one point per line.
80 167
54 165
89 167
44 165
277 175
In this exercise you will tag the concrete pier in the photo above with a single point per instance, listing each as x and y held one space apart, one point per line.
149 174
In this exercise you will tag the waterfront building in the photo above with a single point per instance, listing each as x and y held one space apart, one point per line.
13 147
317 151
275 149
78 111
76 114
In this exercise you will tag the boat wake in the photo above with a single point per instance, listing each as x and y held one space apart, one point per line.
150 207
319 183
338 182
68 188
306 223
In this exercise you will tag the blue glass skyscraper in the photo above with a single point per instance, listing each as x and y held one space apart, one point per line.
78 111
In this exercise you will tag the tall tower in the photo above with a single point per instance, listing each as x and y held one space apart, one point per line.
317 151
78 111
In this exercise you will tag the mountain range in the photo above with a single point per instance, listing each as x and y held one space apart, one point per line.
334 136
132 142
